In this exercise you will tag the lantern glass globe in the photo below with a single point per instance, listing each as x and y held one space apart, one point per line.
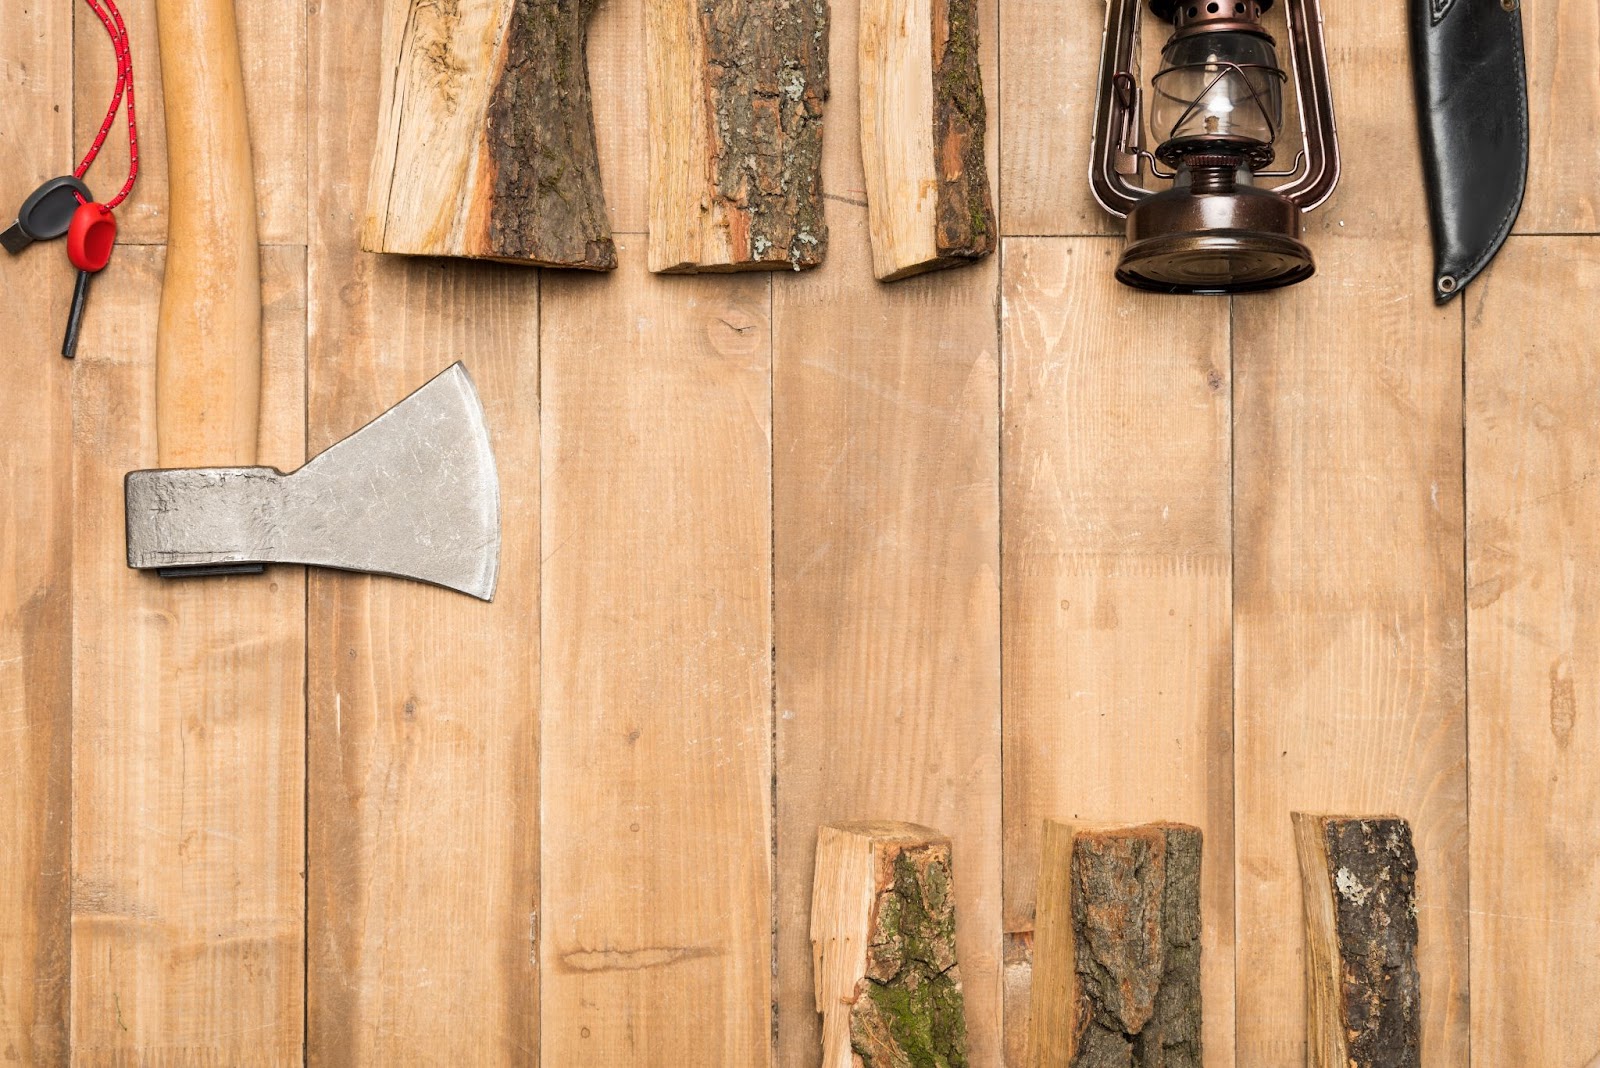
1217 89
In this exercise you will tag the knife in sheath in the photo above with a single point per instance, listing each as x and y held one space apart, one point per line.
1472 107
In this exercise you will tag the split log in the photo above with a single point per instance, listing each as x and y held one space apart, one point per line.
1116 963
1364 994
884 948
486 144
736 91
922 128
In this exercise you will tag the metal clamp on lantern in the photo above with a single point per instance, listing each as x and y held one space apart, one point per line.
1216 108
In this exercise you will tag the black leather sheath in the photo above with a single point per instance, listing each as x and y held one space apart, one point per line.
1472 104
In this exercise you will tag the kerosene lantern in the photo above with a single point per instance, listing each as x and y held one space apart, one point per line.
1216 109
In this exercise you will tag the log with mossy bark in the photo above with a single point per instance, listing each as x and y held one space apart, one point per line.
486 143
883 939
736 91
922 131
1363 989
1116 960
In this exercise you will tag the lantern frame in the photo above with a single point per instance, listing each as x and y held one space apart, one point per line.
1185 220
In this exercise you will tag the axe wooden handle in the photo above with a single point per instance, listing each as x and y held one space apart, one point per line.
208 341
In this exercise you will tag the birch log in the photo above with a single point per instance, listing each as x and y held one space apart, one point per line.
883 943
486 143
1116 962
1363 989
736 92
922 129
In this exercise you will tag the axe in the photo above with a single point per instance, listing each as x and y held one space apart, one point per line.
413 494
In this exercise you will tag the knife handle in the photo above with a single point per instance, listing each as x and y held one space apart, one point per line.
208 339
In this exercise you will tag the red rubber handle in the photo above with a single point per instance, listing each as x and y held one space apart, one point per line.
90 237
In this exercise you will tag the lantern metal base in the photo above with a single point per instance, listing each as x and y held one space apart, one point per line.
1239 241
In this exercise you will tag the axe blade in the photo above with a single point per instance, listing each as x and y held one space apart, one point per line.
413 494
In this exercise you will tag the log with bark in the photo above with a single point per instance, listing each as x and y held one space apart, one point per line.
922 129
486 144
1363 990
1116 962
736 93
884 949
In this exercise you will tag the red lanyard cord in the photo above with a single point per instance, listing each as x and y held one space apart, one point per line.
111 19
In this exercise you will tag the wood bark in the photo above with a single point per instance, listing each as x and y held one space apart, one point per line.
922 131
1117 948
884 952
1359 877
736 109
486 141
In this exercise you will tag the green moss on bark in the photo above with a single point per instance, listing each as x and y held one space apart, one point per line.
910 1014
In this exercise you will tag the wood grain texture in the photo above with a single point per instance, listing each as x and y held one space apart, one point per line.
208 331
655 928
883 940
1532 551
1562 46
188 833
886 571
1350 645
424 704
1358 877
1117 949
923 118
486 141
36 516
1116 590
273 59
1349 612
736 94
1049 59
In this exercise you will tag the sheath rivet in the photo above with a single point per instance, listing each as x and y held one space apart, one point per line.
1447 282
1509 5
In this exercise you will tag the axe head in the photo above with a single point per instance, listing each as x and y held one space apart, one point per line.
414 494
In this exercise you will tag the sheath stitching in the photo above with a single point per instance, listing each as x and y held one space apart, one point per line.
1522 184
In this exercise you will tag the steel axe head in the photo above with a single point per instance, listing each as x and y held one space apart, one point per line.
414 494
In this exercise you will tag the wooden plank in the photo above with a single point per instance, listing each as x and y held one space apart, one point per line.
617 92
35 555
1117 538
736 92
486 142
1348 580
1117 981
272 40
1562 42
1532 551
424 710
883 939
655 928
1350 647
922 136
1049 60
886 569
188 761
1358 877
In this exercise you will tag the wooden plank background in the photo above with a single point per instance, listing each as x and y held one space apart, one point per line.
974 549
